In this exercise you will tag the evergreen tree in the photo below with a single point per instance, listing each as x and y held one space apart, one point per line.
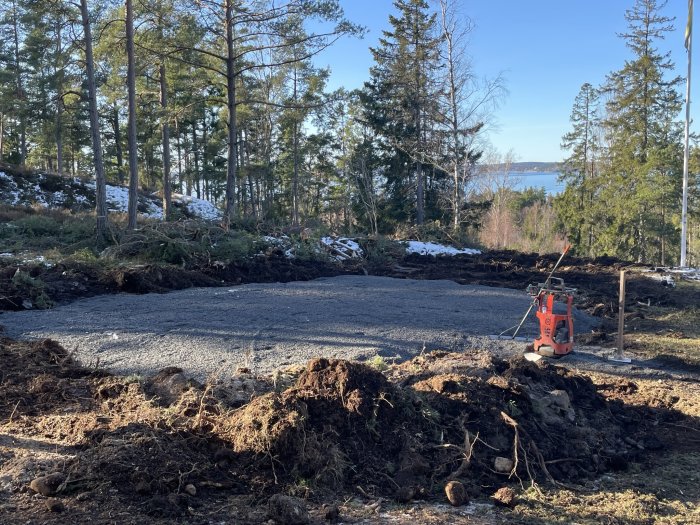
641 181
401 95
576 205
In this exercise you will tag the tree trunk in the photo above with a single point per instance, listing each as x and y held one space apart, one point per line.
167 197
118 143
131 88
231 106
2 135
58 71
195 152
295 175
100 186
20 88
205 155
179 154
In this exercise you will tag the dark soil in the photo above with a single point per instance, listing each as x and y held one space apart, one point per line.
597 280
68 281
342 429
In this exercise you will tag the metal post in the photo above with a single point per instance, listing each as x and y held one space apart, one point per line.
686 155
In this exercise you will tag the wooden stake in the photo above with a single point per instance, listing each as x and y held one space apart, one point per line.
621 314
618 355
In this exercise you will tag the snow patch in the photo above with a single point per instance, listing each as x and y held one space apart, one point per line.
199 207
342 248
667 275
434 249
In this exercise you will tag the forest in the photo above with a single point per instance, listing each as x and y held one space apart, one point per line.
222 99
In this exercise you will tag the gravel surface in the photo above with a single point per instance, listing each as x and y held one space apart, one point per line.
267 326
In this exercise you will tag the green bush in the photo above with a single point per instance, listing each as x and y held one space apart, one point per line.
84 255
236 245
79 230
33 288
38 226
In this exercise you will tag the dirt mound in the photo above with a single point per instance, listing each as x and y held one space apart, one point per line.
158 468
38 377
597 280
345 424
337 416
167 448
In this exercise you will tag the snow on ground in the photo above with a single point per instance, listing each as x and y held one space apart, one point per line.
26 258
668 275
342 248
338 248
199 207
13 191
432 248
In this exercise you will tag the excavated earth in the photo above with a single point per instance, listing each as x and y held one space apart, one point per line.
333 439
80 446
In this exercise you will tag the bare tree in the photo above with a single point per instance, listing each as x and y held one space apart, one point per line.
466 105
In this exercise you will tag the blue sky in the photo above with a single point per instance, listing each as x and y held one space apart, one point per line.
545 49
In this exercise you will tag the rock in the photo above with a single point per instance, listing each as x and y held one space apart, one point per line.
456 493
331 512
47 485
287 510
503 465
560 398
55 505
404 494
505 497
191 489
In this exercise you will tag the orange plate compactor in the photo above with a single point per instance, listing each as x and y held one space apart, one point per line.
556 327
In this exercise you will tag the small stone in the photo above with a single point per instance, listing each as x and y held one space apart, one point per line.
287 510
456 493
505 497
503 465
47 485
404 494
191 489
55 505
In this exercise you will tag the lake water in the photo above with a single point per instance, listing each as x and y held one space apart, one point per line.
534 179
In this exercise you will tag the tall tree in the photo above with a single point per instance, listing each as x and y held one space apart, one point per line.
402 90
641 191
131 137
100 184
235 30
465 106
576 204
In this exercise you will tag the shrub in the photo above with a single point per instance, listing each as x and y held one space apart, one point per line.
38 226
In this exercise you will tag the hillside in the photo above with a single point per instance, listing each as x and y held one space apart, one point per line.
34 188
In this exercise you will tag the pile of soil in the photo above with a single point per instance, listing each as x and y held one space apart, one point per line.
166 447
596 280
42 287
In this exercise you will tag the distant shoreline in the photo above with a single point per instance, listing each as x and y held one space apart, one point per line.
531 167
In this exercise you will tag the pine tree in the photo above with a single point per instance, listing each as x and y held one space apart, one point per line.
400 96
640 192
100 184
576 203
